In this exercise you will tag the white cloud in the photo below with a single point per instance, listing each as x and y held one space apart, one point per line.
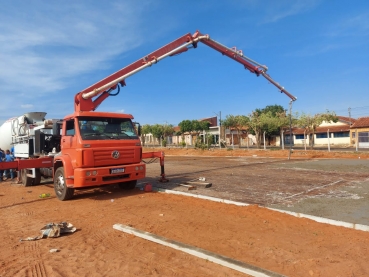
47 47
278 10
42 53
335 36
26 106
353 26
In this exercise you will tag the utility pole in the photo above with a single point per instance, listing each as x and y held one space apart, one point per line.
220 127
349 111
289 154
329 144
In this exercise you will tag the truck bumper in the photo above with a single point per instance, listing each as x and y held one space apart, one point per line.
99 176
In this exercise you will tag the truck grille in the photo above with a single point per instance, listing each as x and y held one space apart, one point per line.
104 157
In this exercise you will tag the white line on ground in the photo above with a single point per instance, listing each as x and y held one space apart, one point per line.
198 252
314 218
327 185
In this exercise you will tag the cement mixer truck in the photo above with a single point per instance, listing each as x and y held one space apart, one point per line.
90 148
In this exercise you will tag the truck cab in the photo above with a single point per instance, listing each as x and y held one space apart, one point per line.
97 148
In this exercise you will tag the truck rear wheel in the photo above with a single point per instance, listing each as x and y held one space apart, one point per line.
26 181
128 185
60 186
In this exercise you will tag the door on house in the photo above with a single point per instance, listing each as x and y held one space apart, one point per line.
363 139
287 140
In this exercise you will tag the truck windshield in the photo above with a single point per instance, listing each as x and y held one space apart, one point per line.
102 128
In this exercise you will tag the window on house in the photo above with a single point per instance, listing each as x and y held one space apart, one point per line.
341 135
363 136
321 135
287 139
299 136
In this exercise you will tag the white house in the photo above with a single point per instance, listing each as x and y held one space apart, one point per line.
327 133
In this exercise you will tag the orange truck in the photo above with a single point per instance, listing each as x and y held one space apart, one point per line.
91 148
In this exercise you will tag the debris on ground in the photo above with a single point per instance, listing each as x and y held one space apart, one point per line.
53 230
191 185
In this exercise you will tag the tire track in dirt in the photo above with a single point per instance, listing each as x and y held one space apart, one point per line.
37 268
27 262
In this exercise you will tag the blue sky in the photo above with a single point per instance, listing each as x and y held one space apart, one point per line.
317 49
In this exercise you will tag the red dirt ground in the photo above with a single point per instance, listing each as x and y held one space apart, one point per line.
255 235
295 154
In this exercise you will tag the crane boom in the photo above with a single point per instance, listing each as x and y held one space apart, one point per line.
90 98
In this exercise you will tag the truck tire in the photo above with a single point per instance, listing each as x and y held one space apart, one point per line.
61 190
26 181
37 180
128 185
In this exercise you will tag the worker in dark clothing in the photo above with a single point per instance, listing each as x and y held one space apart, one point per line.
2 157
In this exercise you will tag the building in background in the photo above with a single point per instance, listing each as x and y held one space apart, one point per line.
360 129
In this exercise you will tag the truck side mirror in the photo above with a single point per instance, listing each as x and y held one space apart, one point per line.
138 128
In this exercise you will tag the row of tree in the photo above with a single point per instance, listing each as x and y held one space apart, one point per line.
192 127
158 131
271 120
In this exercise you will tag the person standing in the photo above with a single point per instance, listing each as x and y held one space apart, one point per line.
15 170
2 157
9 158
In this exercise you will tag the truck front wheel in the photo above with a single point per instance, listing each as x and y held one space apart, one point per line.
60 186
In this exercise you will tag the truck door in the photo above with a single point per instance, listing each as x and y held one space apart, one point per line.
69 140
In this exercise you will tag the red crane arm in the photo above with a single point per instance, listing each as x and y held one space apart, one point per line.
83 101
249 64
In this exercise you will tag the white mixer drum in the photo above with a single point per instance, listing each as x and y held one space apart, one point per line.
18 126
6 134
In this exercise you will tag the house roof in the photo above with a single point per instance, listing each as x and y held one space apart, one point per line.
212 120
332 129
346 119
361 122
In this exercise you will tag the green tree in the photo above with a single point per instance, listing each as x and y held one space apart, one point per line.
145 130
239 123
273 109
193 127
157 132
161 132
273 120
200 126
168 130
256 126
185 126
311 122
269 124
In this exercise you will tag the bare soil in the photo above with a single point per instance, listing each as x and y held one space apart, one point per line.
253 234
